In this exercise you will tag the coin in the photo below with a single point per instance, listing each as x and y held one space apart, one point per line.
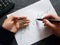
22 22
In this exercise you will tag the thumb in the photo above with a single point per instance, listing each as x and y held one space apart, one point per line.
49 24
17 25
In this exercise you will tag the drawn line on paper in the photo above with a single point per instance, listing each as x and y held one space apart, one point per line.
33 22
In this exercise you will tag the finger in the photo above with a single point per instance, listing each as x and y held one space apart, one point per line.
47 23
26 24
12 17
51 16
27 21
17 25
22 17
16 18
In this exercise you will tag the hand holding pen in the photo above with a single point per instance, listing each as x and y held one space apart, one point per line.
54 24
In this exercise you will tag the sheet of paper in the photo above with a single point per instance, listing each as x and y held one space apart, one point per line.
36 30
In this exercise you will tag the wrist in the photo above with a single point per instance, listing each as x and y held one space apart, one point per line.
3 26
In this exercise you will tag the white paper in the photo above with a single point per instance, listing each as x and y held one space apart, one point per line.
36 30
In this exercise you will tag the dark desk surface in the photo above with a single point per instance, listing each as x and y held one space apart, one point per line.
22 3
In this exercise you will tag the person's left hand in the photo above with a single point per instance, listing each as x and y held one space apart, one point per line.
12 23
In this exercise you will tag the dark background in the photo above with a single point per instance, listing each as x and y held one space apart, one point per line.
52 40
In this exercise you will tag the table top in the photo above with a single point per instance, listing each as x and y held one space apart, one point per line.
22 3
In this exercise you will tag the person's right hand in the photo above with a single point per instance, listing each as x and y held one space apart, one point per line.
54 26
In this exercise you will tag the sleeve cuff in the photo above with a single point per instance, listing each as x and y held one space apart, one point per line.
5 36
5 30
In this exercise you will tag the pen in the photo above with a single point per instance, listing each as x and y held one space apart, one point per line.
51 20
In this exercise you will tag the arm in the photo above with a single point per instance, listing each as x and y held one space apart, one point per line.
6 36
10 26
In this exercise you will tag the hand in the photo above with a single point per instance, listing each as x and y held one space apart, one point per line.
12 23
54 26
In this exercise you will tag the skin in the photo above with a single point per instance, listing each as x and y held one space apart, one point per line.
54 26
12 23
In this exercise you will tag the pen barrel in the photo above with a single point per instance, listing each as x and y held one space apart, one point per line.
53 20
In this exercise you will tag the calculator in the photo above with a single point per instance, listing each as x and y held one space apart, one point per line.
5 6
